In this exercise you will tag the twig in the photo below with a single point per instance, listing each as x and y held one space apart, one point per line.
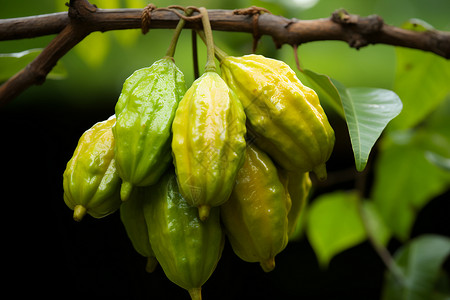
84 18
355 30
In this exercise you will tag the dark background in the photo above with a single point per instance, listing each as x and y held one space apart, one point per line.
49 254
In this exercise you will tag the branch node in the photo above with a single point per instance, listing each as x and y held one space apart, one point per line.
291 22
80 9
341 16
358 31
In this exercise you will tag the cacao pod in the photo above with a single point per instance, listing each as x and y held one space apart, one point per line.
208 142
91 182
133 219
187 248
284 116
145 112
255 218
298 186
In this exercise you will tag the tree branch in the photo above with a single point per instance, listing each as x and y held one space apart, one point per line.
84 18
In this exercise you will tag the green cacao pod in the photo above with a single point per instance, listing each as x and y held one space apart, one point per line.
208 142
255 217
133 219
187 248
298 186
145 112
91 182
284 116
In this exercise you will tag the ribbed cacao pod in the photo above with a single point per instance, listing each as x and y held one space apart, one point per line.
133 219
91 182
298 186
284 116
208 142
255 218
145 112
187 248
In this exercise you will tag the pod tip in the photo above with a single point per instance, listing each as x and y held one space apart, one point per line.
79 212
268 265
125 190
321 172
203 212
152 263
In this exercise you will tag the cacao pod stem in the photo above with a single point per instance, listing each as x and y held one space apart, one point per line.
125 190
173 43
152 263
196 294
78 212
268 265
210 64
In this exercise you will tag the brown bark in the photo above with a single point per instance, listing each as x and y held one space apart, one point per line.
84 18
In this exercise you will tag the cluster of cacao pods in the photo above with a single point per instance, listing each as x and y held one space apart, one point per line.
228 157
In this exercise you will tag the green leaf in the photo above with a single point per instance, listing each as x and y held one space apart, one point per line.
375 225
11 63
421 81
405 180
325 89
420 262
367 112
334 225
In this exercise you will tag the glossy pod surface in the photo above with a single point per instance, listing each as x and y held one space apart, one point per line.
187 248
145 112
208 142
255 217
91 182
284 116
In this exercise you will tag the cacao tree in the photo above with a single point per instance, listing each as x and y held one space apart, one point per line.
374 225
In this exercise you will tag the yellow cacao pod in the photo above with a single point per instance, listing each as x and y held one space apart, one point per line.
284 116
91 182
208 142
255 218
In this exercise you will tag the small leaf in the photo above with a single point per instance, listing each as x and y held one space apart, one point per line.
420 262
11 63
367 112
334 225
325 88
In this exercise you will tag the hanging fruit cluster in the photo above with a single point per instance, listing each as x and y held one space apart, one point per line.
228 157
